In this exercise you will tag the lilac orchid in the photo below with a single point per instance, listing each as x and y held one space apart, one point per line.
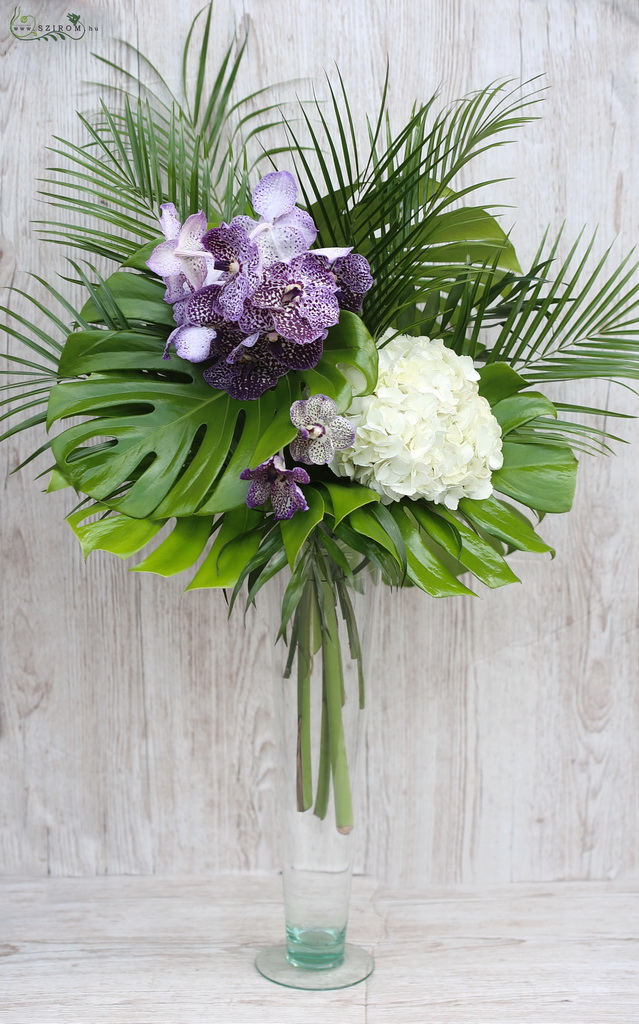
199 319
353 278
322 431
246 367
272 480
300 297
181 260
248 297
283 231
238 260
352 275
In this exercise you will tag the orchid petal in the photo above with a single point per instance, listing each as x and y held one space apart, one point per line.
286 499
275 195
196 271
191 234
293 234
163 260
333 252
240 350
319 409
258 493
177 288
169 222
341 432
192 343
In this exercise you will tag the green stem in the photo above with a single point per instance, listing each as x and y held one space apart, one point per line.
324 770
348 614
304 669
334 688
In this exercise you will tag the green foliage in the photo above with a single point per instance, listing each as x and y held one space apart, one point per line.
161 452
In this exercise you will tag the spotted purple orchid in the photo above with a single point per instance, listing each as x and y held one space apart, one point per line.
199 319
246 367
249 299
181 260
322 431
353 279
299 296
245 364
271 480
283 231
238 261
352 274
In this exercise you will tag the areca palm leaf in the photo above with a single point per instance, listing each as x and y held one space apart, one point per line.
34 374
396 205
159 147
579 325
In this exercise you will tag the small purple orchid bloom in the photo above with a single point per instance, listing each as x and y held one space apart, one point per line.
283 230
300 297
246 367
199 320
322 431
181 260
272 480
352 274
353 278
238 260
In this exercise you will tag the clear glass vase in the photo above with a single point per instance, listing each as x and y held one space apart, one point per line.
319 711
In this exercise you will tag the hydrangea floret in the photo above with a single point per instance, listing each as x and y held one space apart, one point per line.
322 431
425 432
272 481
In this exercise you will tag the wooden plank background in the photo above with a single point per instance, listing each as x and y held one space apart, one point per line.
135 723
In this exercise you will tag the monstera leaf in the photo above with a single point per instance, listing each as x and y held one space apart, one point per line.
156 440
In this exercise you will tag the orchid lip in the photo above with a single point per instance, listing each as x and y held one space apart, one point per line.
260 229
291 292
228 266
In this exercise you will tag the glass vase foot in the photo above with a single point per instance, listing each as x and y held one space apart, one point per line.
274 963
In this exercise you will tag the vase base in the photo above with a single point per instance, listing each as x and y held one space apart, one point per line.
272 963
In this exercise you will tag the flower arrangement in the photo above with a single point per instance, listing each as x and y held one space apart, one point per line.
314 370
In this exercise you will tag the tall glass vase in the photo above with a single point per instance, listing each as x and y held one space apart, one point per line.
319 711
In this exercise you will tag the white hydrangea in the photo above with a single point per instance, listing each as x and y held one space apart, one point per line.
425 432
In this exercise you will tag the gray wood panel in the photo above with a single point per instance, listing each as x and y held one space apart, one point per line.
167 948
136 731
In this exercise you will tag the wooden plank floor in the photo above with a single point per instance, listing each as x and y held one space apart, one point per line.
152 950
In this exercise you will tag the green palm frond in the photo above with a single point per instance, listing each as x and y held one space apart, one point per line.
580 325
396 203
156 147
33 376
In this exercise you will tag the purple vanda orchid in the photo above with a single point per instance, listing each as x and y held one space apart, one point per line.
271 480
283 231
299 296
246 364
238 261
246 367
248 297
199 320
322 431
352 274
181 259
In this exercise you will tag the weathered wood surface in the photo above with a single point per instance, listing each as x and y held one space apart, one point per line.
136 950
136 731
